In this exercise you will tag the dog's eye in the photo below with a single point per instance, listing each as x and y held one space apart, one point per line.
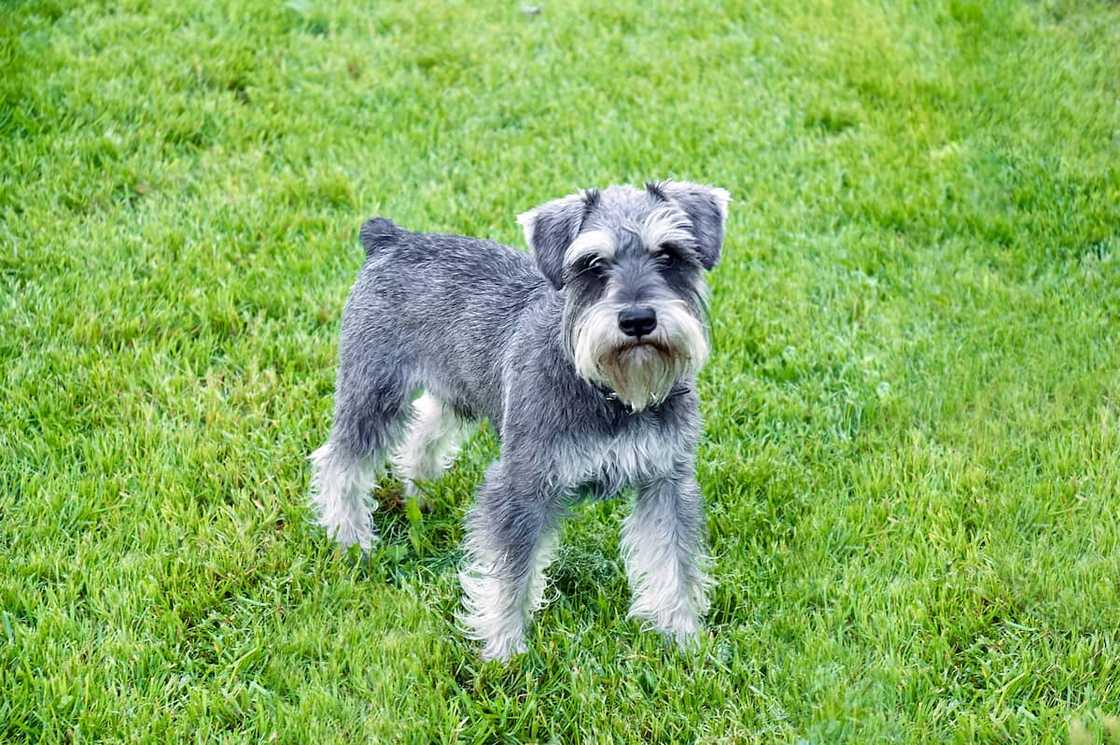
668 257
589 265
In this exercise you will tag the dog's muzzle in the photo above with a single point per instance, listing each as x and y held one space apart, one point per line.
639 353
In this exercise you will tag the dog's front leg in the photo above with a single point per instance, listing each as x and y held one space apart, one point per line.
510 540
663 546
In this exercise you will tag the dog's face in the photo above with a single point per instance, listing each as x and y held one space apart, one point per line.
631 263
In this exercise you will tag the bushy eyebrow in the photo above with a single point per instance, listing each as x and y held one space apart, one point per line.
666 224
598 243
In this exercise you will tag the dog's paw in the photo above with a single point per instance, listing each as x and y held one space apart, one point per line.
687 641
347 534
503 649
681 628
417 495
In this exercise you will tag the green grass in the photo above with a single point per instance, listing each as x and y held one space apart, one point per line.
912 449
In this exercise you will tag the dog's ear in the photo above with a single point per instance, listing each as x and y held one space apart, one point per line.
551 228
706 207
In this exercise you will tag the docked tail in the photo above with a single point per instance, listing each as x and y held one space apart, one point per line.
377 233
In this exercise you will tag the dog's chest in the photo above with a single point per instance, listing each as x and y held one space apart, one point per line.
602 465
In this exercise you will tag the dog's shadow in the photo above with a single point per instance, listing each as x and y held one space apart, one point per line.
426 543
424 536
413 539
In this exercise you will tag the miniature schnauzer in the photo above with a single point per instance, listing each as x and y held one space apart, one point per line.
584 364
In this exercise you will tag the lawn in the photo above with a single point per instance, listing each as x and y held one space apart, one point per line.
912 442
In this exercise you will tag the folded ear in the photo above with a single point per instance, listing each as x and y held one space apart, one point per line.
551 228
706 207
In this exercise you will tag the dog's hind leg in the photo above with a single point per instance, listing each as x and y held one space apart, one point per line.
434 436
368 414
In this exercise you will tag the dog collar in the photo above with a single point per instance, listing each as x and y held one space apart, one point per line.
606 392
610 395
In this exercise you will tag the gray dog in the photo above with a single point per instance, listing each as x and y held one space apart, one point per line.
584 364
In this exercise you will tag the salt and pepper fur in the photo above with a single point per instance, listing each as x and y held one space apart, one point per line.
480 330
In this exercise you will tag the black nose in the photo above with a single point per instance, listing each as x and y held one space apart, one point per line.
637 321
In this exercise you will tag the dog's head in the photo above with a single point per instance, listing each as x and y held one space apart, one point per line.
631 265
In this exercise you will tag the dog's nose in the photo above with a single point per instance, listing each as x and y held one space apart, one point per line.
637 321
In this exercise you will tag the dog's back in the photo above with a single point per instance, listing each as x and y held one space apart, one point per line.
442 305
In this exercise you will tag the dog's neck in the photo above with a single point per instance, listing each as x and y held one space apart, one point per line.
611 398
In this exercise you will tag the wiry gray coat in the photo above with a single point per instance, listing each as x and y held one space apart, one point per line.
583 403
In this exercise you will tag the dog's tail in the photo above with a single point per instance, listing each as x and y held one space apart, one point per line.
378 233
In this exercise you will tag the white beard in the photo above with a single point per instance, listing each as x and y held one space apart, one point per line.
640 374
